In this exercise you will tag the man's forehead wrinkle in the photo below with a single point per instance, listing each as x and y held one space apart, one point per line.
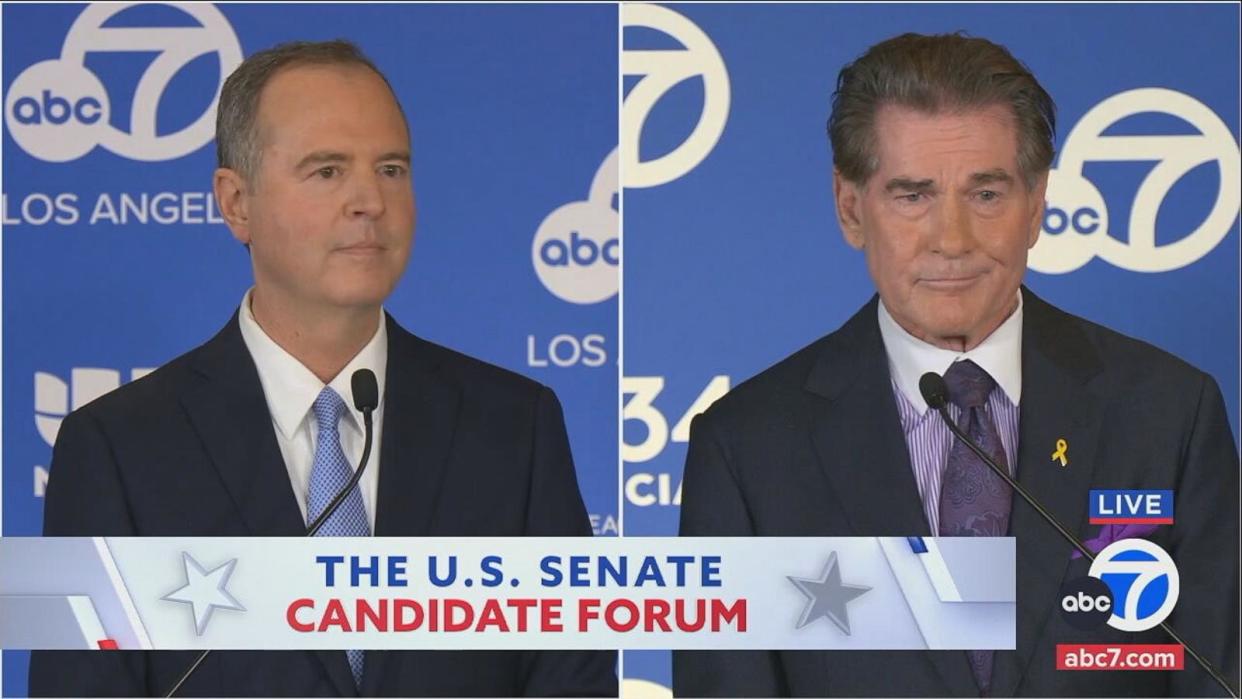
975 179
333 156
914 147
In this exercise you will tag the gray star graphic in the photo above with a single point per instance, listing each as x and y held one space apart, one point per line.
827 596
204 590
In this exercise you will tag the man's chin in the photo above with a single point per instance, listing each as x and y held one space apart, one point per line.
359 298
945 330
943 316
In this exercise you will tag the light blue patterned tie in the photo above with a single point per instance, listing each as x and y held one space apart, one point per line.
329 474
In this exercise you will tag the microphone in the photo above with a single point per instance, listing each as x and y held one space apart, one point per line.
936 393
366 400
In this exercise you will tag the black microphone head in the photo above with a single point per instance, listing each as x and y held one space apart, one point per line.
366 390
934 390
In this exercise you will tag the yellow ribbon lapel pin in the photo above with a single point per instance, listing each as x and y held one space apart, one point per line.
1061 453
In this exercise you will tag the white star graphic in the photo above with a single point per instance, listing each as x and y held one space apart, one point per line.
204 590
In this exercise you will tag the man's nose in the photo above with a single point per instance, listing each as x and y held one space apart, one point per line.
952 232
366 196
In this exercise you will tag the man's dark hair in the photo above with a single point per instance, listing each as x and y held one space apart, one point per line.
238 141
937 74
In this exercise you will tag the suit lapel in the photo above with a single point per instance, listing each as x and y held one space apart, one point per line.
860 446
1058 362
857 432
420 412
230 414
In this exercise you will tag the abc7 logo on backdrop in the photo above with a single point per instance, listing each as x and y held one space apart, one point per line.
1132 585
576 251
58 110
658 72
1076 221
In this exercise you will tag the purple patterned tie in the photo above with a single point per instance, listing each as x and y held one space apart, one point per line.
974 501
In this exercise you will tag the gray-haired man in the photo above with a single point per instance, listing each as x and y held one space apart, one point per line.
942 146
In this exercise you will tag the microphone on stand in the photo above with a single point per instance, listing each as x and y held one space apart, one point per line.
366 399
936 393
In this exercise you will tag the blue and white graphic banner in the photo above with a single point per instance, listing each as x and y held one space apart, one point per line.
855 593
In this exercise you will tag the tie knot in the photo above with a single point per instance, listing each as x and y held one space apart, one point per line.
969 385
328 407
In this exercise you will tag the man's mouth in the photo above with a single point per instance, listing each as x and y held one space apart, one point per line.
950 282
362 249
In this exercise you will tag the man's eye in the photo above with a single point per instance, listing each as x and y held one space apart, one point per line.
327 172
989 195
393 170
911 198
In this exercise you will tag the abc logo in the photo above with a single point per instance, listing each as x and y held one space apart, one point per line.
576 251
1077 221
1084 221
1143 580
58 110
1086 603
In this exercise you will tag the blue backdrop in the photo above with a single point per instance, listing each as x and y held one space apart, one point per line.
115 260
733 255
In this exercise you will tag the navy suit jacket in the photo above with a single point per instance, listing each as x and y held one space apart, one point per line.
813 447
468 449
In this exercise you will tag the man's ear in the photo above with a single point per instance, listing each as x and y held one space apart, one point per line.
1039 199
848 198
232 198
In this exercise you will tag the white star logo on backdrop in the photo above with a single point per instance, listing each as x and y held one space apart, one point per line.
204 590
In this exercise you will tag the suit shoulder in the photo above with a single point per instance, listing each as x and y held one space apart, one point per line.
771 391
154 393
1136 361
472 374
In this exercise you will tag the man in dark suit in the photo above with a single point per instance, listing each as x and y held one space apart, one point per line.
252 433
941 148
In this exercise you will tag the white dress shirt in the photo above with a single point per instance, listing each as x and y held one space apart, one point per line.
291 389
928 439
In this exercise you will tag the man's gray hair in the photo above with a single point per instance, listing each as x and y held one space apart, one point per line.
936 74
238 141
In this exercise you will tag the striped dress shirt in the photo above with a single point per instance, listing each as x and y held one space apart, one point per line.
928 439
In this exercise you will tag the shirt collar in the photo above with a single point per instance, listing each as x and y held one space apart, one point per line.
1000 354
291 388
